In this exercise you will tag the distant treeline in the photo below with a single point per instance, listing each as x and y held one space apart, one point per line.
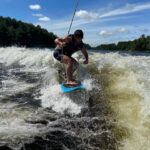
88 46
142 44
18 33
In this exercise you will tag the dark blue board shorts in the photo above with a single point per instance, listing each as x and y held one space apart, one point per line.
58 54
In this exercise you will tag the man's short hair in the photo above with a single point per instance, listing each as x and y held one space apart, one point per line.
79 33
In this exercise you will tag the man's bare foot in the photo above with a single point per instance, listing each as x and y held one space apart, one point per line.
73 83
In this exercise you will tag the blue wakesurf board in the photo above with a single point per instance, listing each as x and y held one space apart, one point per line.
67 88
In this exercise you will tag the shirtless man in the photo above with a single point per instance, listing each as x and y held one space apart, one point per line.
64 50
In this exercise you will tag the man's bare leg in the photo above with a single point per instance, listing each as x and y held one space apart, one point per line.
69 62
75 65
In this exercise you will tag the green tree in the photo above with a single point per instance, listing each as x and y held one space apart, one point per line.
14 32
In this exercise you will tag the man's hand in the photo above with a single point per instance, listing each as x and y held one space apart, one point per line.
62 44
85 62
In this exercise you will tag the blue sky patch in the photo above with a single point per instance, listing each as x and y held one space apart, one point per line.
102 21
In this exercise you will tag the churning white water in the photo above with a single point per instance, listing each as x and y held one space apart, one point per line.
130 97
32 71
36 61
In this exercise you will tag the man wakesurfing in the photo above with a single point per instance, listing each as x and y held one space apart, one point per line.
64 50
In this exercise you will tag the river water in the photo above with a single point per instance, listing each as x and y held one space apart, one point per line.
113 112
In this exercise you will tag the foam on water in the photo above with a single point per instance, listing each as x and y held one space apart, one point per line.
130 96
11 87
88 84
12 123
36 60
128 88
27 57
53 97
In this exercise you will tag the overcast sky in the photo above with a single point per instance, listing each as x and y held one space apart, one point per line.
103 21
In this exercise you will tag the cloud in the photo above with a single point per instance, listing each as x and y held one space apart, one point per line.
83 14
44 18
35 7
41 17
144 29
108 33
58 25
95 21
88 17
37 15
127 9
122 30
